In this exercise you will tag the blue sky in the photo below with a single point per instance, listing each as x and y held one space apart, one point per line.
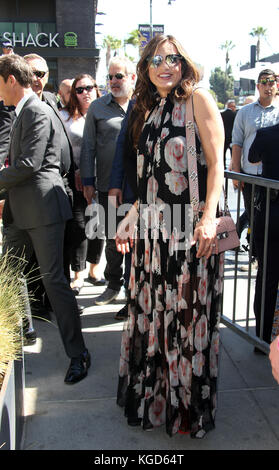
201 26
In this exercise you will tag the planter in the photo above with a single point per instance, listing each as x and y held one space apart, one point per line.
12 407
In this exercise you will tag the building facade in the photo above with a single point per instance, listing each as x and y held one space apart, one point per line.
61 31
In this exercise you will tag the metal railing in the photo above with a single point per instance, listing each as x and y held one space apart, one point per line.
234 294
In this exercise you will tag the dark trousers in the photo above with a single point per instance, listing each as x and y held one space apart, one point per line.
272 271
248 204
81 248
114 260
47 242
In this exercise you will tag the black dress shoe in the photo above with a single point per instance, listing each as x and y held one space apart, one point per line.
78 368
134 421
122 314
95 281
76 290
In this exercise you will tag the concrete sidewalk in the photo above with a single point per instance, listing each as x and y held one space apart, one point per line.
85 416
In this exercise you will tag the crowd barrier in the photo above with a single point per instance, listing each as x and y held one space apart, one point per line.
239 286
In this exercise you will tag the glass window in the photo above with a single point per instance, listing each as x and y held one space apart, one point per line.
21 31
34 28
6 27
49 28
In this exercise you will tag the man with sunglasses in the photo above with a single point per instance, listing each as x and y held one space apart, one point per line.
40 306
102 127
263 112
38 202
7 48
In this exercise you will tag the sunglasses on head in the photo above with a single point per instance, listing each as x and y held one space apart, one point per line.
264 81
80 89
118 76
171 60
39 73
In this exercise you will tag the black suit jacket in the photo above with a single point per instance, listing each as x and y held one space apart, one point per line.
7 116
67 160
35 188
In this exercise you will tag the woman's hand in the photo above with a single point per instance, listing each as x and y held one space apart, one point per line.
204 237
125 231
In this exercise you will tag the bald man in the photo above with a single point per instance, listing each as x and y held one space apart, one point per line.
65 91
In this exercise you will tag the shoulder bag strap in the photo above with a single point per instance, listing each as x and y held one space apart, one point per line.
192 156
192 160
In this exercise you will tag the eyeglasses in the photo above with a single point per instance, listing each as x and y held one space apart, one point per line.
80 89
171 60
39 73
118 76
264 81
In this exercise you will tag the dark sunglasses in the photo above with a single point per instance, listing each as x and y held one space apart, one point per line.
171 60
118 76
264 81
39 73
80 89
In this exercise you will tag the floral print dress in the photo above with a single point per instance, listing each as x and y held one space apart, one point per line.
169 351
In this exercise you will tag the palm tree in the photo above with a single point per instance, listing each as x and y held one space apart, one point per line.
111 44
133 38
259 33
227 46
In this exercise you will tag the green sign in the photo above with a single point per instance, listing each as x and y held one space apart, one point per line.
70 39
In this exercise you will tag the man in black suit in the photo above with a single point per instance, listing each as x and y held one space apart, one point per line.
7 115
228 117
38 202
40 78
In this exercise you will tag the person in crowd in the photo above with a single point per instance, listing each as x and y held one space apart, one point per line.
243 222
122 188
83 92
40 78
261 113
38 203
169 352
228 116
7 116
64 92
102 126
264 151
249 99
274 358
7 48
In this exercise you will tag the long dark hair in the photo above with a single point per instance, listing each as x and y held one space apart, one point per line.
145 91
73 106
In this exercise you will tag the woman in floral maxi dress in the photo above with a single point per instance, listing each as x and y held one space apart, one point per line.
169 351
